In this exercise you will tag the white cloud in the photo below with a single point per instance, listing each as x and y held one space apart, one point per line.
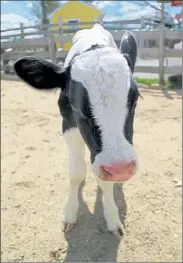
103 4
9 21
29 4
112 18
12 21
127 6
5 2
131 10
64 2
155 4
147 11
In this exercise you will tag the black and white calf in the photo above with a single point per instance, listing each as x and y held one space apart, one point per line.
97 103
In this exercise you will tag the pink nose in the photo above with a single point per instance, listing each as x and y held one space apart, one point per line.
118 171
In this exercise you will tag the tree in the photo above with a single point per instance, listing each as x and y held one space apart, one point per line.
42 9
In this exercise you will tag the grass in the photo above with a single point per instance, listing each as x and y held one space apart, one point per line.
148 82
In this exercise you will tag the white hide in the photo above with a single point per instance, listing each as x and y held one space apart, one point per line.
85 38
106 76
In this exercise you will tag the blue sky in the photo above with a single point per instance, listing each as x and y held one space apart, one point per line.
14 12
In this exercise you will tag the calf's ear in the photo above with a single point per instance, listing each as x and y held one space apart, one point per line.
128 48
39 73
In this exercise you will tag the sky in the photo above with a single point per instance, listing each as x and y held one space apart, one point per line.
15 12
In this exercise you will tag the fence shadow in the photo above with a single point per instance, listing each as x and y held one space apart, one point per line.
162 92
90 241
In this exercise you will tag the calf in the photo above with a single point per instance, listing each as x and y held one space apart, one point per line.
97 104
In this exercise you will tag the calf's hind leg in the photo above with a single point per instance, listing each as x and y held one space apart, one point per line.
77 172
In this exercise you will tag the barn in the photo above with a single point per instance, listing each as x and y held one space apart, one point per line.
72 13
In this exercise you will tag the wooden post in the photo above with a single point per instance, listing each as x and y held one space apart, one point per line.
142 22
51 48
161 47
61 30
60 25
4 62
22 30
141 44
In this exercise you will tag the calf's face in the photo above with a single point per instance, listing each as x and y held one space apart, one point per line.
103 100
103 96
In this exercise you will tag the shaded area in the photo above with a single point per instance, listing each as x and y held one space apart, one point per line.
175 82
161 92
96 244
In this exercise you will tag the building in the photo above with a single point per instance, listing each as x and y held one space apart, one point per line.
72 13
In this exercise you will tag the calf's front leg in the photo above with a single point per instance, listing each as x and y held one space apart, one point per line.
114 224
77 172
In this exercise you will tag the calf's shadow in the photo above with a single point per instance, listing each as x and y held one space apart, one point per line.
90 241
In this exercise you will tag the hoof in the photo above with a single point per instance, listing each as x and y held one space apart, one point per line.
67 227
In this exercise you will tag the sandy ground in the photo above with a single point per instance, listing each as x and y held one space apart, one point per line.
35 185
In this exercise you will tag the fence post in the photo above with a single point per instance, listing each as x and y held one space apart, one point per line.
61 31
142 23
22 30
161 47
60 25
4 62
141 44
51 48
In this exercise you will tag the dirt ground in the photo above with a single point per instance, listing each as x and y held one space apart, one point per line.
35 185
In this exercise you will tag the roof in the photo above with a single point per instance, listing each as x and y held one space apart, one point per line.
81 2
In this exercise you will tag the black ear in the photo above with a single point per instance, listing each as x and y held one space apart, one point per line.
39 73
128 48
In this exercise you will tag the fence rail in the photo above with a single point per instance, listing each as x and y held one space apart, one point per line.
46 36
120 22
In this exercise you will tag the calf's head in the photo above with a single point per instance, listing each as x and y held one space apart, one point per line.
103 97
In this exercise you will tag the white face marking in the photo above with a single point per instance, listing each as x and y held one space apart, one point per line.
106 76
